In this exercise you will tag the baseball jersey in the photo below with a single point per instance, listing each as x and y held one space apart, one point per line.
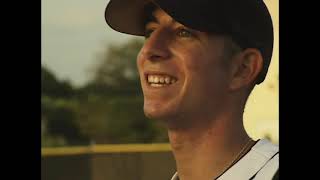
260 163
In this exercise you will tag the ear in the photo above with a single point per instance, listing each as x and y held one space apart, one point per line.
245 68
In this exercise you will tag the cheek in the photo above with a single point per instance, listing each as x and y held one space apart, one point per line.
189 62
198 57
198 65
204 73
139 61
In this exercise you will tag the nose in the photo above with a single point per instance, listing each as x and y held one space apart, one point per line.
156 47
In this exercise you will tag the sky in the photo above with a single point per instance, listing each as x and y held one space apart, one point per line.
73 32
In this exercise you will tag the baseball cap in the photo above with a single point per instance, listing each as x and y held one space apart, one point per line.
247 22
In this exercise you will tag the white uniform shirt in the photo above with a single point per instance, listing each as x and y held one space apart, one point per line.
260 163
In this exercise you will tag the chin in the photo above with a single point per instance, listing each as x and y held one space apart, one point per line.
168 114
158 111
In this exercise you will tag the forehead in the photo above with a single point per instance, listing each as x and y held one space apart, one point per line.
159 13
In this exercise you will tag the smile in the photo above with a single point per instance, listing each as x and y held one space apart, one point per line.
160 80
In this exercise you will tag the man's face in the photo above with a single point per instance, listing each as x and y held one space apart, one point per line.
182 72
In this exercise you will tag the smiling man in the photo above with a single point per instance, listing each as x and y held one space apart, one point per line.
199 63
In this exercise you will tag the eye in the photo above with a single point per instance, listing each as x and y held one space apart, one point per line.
148 33
182 32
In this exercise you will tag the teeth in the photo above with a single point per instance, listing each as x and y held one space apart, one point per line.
160 79
150 78
167 79
156 85
156 79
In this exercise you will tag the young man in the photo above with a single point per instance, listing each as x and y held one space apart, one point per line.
199 63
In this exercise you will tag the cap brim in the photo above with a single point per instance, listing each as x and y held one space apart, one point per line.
126 16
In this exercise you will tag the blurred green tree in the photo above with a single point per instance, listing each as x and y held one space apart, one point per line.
57 112
59 126
51 87
119 119
116 69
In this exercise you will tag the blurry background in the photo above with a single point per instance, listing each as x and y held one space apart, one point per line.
90 92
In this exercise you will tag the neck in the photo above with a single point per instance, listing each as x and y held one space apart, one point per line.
205 152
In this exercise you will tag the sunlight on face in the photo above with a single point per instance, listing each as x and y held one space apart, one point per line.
191 61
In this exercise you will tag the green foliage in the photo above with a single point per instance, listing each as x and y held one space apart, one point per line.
50 86
58 115
118 119
117 68
53 141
